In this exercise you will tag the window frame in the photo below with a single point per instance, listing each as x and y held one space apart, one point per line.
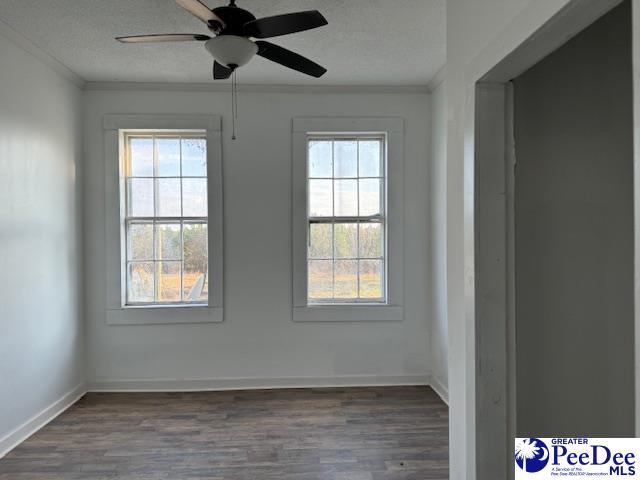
392 130
118 312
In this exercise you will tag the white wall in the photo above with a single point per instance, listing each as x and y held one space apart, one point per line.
438 207
574 236
258 339
472 26
41 329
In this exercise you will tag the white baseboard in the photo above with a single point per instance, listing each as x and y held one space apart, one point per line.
219 384
440 388
35 423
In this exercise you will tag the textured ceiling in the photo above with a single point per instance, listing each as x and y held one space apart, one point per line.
367 42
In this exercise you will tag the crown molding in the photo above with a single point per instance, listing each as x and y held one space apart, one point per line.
30 47
252 88
437 79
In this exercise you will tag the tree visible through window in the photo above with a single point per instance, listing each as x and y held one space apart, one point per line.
346 220
165 218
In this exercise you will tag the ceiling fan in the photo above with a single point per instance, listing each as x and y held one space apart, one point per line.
233 27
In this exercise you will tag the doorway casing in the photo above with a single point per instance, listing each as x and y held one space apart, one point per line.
488 229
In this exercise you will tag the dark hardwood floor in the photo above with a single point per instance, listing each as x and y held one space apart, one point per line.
391 433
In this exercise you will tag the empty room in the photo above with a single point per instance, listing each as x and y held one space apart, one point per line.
319 239
215 258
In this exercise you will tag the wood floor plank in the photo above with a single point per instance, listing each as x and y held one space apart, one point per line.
377 433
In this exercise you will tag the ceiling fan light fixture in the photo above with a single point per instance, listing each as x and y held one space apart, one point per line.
231 50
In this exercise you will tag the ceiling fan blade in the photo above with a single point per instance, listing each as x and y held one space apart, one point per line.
164 37
289 59
220 72
200 10
284 24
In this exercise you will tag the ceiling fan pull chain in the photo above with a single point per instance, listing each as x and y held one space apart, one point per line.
233 105
235 87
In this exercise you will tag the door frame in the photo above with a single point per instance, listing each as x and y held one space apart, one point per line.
489 161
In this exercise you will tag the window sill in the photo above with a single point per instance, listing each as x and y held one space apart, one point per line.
348 313
162 306
164 315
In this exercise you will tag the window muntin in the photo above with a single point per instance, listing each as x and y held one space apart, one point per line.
346 215
165 222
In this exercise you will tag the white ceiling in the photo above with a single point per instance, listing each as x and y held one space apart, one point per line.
367 42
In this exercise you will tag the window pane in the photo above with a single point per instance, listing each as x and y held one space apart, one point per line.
194 157
320 240
320 159
320 284
346 198
194 281
141 157
140 241
371 279
370 240
320 201
140 192
369 156
167 157
346 158
195 247
168 197
346 240
168 241
194 197
140 282
370 203
346 279
168 281
194 287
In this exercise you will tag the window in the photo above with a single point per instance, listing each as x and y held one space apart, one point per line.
163 219
346 219
165 224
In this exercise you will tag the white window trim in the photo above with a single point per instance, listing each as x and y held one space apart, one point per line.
393 129
116 312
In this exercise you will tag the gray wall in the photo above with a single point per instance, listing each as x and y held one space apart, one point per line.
574 236
438 241
258 341
41 328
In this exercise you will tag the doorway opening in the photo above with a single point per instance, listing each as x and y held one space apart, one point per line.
551 165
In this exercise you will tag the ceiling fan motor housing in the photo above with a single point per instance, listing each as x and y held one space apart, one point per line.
232 51
234 19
